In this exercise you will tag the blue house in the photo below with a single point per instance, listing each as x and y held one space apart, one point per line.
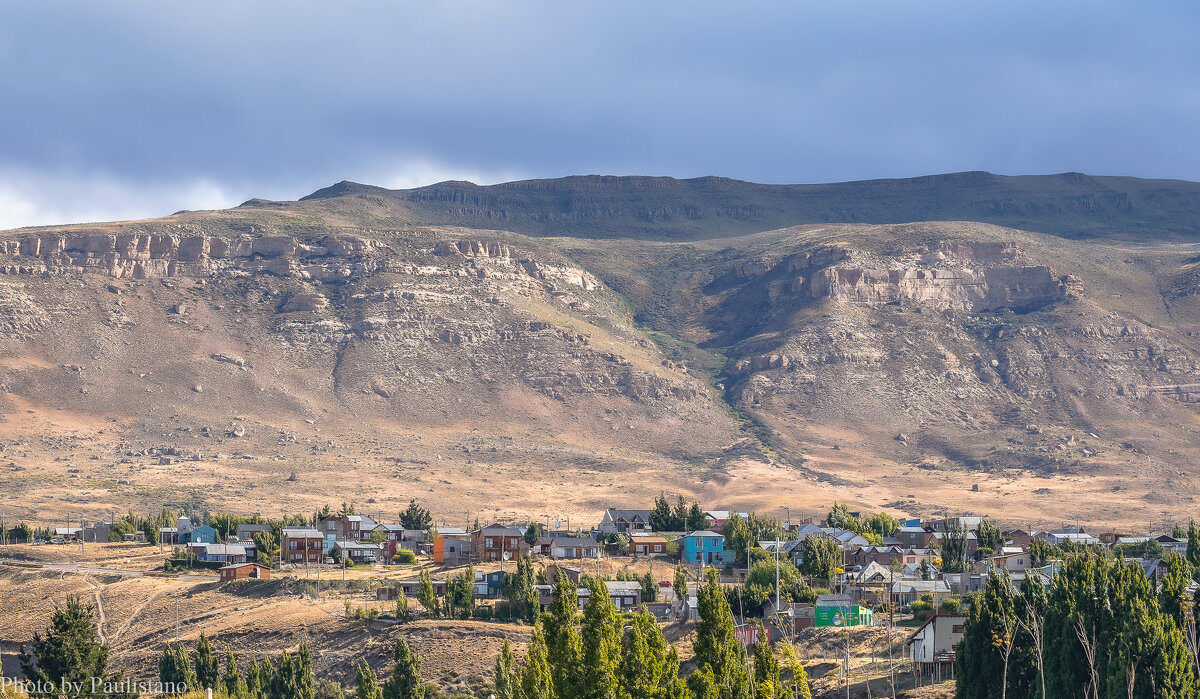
203 534
706 548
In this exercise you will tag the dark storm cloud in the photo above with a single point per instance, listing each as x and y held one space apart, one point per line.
140 108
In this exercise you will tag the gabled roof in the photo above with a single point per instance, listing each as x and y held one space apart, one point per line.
706 533
497 529
302 533
242 565
615 514
922 586
573 541
913 636
225 549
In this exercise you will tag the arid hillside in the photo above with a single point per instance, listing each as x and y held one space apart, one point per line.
282 355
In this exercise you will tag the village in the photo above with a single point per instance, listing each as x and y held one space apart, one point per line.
906 583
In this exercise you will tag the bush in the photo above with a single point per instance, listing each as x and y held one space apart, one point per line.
951 605
404 557
482 612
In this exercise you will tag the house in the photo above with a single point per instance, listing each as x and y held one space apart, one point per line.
202 534
1156 568
1171 544
492 581
357 551
240 571
625 594
96 532
801 614
1012 559
840 610
905 592
931 647
1111 537
573 574
617 521
570 547
1062 538
410 587
887 555
496 542
301 544
219 553
246 532
914 537
1019 538
705 548
717 519
346 528
68 533
647 545
451 547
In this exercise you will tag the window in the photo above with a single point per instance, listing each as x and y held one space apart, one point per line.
957 628
658 547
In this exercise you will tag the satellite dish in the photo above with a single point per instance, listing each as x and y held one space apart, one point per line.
507 555
558 524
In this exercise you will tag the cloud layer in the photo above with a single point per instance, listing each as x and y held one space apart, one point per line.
139 108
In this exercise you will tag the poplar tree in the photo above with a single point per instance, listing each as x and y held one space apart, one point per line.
283 683
537 681
767 684
506 674
601 644
680 584
426 595
1193 545
306 684
254 687
175 668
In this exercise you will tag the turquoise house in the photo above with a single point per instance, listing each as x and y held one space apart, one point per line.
203 534
705 548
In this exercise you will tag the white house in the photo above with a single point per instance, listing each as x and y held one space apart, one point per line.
931 647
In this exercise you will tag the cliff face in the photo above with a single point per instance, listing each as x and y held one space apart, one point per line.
1016 288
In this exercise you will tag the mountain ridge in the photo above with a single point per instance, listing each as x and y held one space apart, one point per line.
1070 204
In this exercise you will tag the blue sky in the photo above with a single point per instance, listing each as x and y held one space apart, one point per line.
124 109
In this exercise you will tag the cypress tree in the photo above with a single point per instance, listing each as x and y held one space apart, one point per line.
506 675
717 646
366 682
1193 545
175 668
266 673
233 682
69 649
563 644
639 668
283 682
988 633
601 645
306 684
405 682
702 684
207 672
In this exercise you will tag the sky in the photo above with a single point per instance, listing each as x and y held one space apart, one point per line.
128 109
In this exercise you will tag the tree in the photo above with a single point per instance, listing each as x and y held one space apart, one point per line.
988 536
681 588
401 611
696 519
1193 545
532 532
175 669
563 643
405 682
660 517
416 517
234 686
822 557
988 641
717 647
69 649
797 685
537 681
366 682
642 657
649 588
839 516
954 549
601 644
767 683
207 672
266 674
460 594
738 537
426 595
507 683
283 683
306 685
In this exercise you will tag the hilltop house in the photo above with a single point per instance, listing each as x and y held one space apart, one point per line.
357 551
617 521
571 547
240 571
887 555
246 532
